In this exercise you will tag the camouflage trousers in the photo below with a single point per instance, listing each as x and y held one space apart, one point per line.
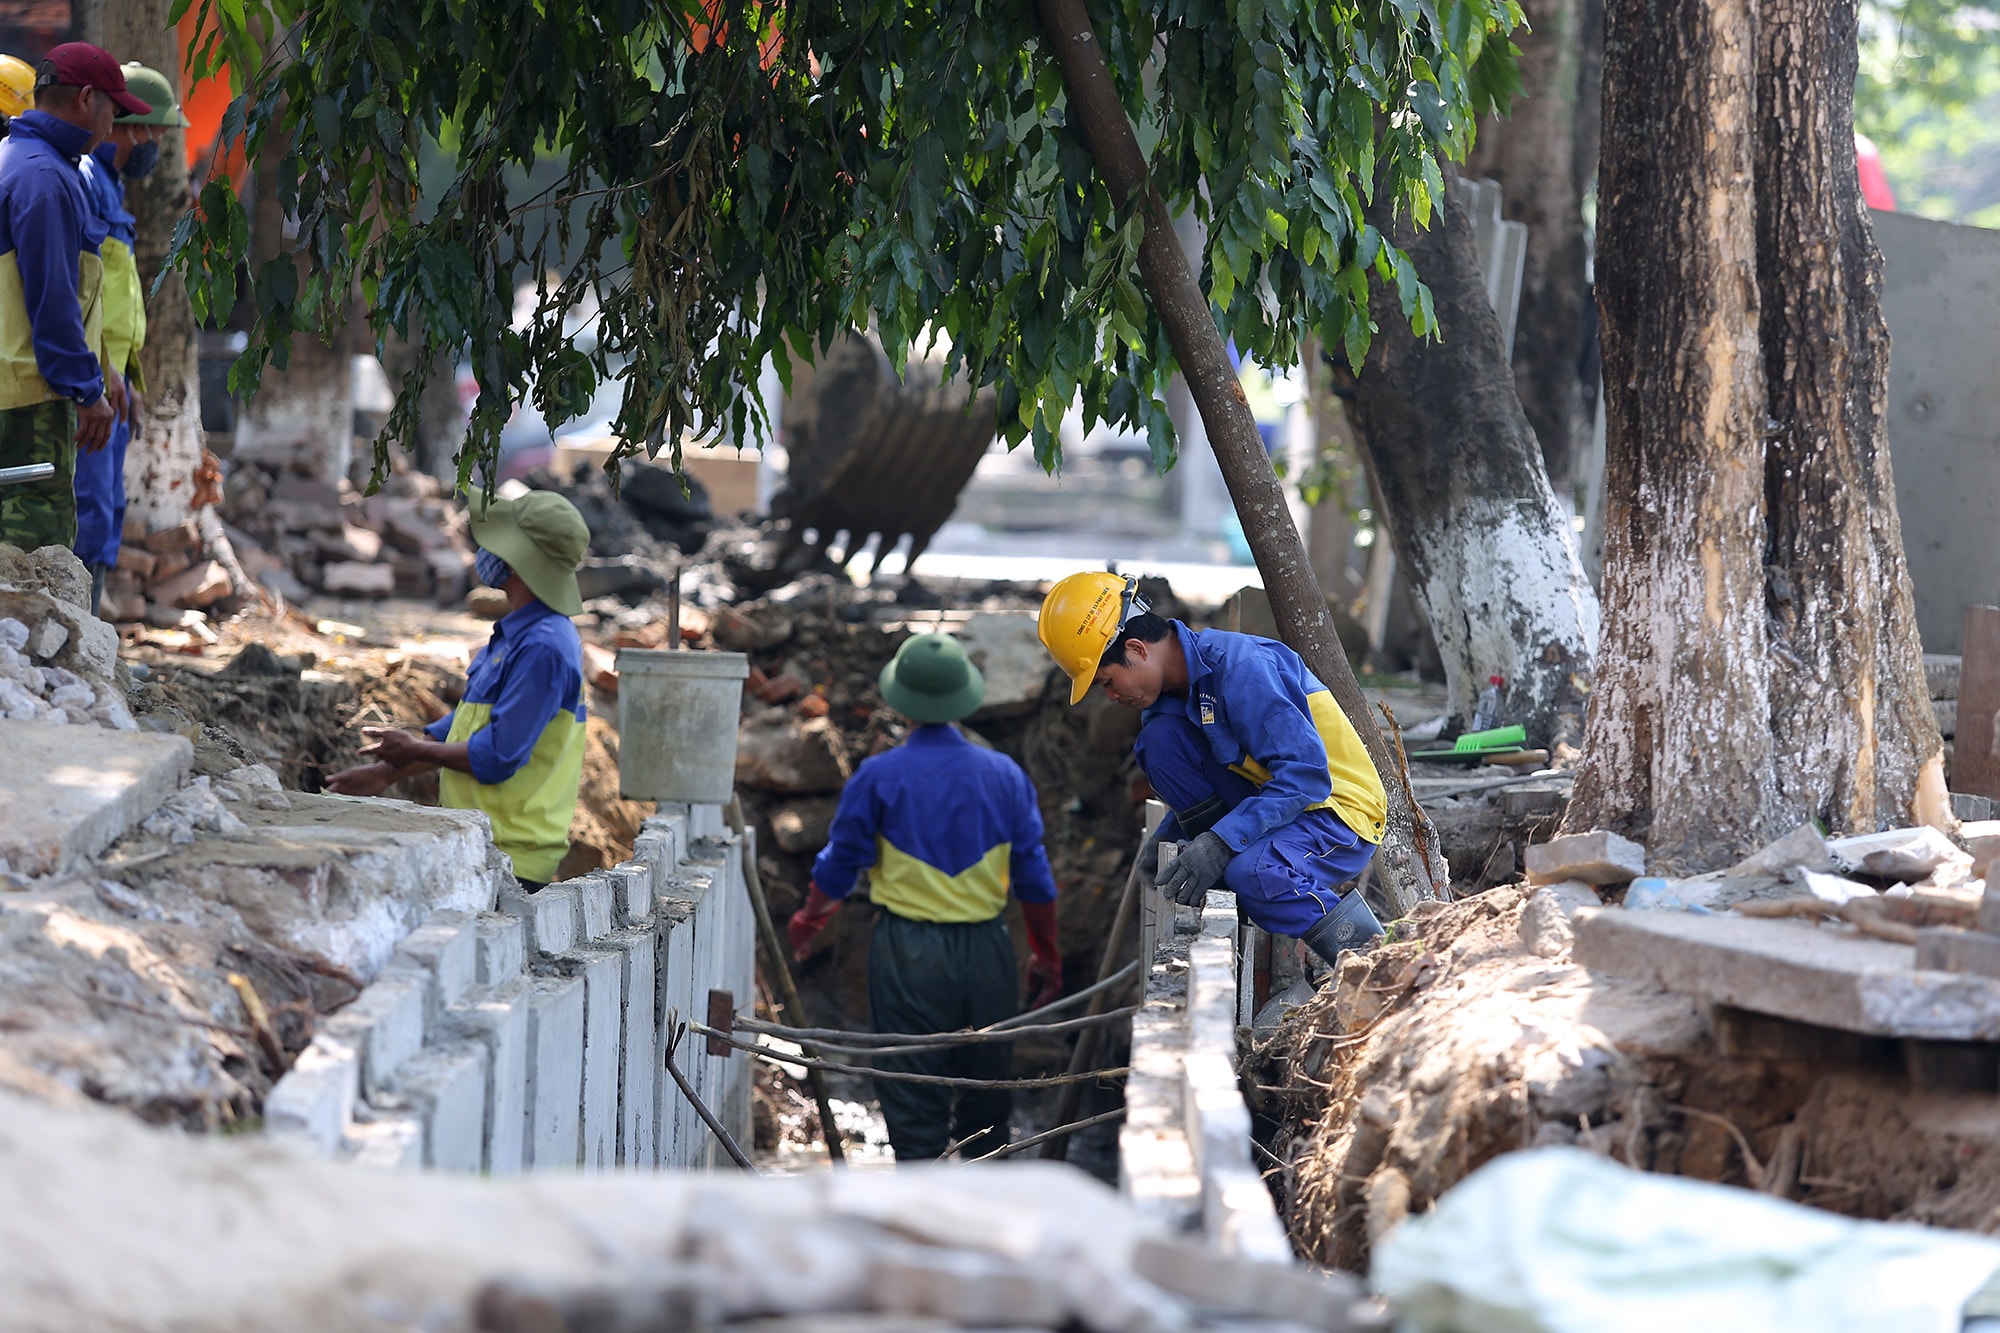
40 513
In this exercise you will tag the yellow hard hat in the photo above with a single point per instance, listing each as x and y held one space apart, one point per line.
17 85
1080 617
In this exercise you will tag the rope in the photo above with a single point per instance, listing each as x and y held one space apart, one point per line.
897 1043
1047 1135
899 1076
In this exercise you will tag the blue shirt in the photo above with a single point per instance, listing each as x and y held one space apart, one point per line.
107 194
46 223
949 830
1263 714
529 671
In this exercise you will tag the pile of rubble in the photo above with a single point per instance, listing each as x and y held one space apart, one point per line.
58 663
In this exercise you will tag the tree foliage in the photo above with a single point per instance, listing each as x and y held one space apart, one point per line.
744 181
1928 94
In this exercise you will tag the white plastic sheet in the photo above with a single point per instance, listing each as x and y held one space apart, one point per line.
1558 1240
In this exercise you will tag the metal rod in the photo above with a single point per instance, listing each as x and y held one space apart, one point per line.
1046 1136
27 472
1086 1044
729 1144
899 1076
901 1043
781 972
1112 982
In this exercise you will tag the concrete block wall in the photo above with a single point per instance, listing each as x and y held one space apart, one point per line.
532 1036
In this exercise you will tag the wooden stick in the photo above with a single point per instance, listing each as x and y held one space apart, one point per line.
899 1043
781 972
1056 1149
1060 1132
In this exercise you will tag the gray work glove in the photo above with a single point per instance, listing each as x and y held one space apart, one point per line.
1196 870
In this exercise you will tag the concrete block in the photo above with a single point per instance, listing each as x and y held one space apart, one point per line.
678 1135
1213 1110
1941 673
1545 921
448 1085
706 821
602 972
1908 854
447 947
1238 1216
1943 949
632 881
498 1019
597 905
965 1288
1225 1284
1211 994
555 1073
386 1143
1793 970
1531 799
503 947
1598 857
315 1098
1945 711
552 916
385 1024
637 1086
1971 809
70 792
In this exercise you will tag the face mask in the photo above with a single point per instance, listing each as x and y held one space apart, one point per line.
492 570
143 159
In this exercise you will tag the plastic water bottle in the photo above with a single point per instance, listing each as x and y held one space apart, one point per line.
1486 713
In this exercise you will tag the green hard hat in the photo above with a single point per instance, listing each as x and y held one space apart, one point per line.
155 90
930 679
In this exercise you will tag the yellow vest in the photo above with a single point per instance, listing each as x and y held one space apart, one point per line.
124 310
914 888
1357 796
21 382
531 811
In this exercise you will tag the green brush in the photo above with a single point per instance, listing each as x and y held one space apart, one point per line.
1499 738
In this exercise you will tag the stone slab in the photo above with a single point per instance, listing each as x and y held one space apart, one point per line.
637 1121
503 947
315 1098
385 1026
1597 857
1971 809
554 1099
602 972
633 883
498 1019
1791 969
597 905
551 914
448 1084
447 947
68 792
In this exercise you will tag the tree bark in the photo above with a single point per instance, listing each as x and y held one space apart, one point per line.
1532 154
1679 746
1484 545
161 462
1856 735
1412 866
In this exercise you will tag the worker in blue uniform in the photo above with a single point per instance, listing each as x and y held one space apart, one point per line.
1267 782
947 830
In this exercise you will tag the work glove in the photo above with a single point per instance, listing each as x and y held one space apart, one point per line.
809 920
1045 972
1196 870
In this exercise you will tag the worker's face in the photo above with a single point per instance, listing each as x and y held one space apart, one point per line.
98 112
1139 681
127 137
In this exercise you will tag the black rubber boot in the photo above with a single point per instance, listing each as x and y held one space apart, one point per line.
1350 926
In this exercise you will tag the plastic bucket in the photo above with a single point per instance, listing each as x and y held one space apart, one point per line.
677 716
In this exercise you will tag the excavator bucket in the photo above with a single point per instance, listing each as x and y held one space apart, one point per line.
875 456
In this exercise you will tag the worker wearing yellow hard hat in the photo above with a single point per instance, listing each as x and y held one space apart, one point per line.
17 86
1269 785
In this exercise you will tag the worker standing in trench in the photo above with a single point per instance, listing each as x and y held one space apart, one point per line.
513 747
947 831
1267 781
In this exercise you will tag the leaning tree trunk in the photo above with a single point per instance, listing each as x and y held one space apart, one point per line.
1679 745
1856 738
1475 524
160 464
1532 154
1412 861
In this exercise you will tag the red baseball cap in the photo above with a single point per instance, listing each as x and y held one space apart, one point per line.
81 65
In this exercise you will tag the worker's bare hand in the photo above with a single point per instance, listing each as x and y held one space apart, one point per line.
395 747
114 392
361 780
93 425
135 408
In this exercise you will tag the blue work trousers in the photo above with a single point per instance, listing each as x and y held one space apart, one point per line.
100 498
1287 880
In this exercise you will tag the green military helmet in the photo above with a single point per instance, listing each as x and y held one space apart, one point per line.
155 90
931 680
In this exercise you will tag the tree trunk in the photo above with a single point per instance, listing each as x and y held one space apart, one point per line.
1532 154
1476 527
160 464
1412 866
1679 745
1856 735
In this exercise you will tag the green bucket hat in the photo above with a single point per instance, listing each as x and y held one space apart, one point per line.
930 679
542 538
153 88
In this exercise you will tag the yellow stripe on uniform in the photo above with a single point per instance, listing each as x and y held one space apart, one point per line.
1357 789
21 382
530 811
914 888
124 310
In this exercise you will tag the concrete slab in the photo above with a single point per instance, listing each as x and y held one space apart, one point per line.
503 947
498 1019
67 793
635 1145
1791 969
633 883
597 905
554 1101
602 972
1598 857
551 916
448 1084
447 947
386 1143
680 1133
315 1098
384 1025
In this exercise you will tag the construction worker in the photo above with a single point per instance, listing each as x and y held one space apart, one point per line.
946 830
54 398
514 745
130 153
1268 784
17 88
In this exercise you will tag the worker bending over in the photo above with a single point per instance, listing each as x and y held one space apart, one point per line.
514 745
946 830
1267 781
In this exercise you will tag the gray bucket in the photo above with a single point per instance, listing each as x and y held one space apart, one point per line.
677 716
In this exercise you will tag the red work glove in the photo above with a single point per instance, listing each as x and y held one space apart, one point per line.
810 920
1045 971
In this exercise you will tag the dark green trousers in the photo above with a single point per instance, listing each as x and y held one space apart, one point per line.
927 976
41 513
